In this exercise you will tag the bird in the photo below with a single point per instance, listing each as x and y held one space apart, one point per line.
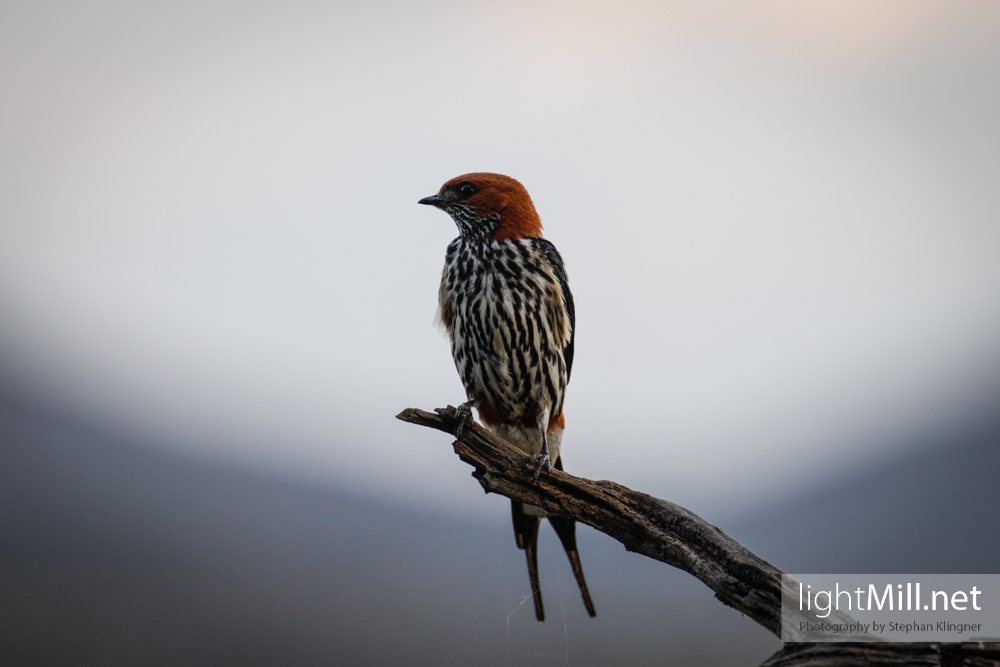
506 306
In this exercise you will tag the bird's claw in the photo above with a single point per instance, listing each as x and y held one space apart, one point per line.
464 413
540 461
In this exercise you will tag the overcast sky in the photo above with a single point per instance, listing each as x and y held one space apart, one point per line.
781 225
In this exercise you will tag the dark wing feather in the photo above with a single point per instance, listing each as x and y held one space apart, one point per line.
555 259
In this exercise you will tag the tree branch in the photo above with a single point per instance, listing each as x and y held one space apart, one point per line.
644 524
669 533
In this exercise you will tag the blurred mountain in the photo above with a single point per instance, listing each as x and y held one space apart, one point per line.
113 552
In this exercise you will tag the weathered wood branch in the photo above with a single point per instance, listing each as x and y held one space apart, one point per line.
968 654
669 533
644 524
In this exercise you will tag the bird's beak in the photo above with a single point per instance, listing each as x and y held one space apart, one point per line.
433 200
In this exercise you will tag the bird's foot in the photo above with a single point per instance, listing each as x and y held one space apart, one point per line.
540 461
464 414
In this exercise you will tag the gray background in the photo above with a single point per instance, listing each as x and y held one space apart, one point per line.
216 288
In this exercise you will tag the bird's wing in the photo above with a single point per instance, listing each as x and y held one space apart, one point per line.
559 269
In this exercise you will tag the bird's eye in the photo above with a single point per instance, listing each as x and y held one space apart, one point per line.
466 189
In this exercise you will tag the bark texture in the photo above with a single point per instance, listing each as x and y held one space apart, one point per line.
669 533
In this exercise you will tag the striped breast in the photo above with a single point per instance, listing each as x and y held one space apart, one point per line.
509 313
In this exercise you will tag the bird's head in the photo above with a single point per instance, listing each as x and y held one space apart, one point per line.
488 206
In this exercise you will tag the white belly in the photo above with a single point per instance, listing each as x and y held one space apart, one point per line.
529 441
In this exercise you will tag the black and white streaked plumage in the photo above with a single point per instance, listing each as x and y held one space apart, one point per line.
508 310
509 313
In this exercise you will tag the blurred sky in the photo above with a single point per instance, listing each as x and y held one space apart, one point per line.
781 224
